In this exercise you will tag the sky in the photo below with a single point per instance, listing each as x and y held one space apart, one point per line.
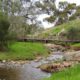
48 25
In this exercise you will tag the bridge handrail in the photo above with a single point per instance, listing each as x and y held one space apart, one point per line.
46 39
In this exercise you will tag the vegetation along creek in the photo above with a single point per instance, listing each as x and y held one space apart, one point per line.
26 70
39 39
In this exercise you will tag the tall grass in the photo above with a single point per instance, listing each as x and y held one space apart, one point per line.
55 30
72 73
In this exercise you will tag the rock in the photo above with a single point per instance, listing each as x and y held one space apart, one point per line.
67 64
74 55
13 62
54 47
55 67
3 61
77 48
50 67
38 58
55 57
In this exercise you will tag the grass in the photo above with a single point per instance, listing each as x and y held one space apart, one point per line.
55 30
72 73
76 45
24 50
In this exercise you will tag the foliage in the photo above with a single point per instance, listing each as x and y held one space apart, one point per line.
4 26
22 17
47 6
73 33
64 13
75 45
58 30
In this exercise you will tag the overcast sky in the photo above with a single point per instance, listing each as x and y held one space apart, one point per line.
48 25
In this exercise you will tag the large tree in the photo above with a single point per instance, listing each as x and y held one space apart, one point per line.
65 11
22 15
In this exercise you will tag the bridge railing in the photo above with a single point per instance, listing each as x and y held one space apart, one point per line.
46 40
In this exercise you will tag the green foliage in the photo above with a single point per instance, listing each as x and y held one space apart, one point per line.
73 33
4 26
62 12
54 31
47 6
75 45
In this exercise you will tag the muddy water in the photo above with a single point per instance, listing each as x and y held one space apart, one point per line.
28 71
8 73
20 72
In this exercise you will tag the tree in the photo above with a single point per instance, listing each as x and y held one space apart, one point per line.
76 14
46 6
63 13
4 26
22 15
10 7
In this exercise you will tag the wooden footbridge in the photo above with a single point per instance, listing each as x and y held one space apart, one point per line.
47 40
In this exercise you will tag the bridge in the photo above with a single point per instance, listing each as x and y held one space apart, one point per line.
47 40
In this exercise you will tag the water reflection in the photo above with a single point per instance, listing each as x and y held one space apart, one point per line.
22 72
28 71
8 73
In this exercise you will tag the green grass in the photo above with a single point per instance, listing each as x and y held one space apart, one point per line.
55 30
24 50
76 45
72 73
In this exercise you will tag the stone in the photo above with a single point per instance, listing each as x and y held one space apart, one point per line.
55 67
38 58
3 61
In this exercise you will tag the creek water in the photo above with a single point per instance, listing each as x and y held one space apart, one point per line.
21 72
28 71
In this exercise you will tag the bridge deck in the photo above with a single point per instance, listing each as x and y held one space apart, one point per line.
46 40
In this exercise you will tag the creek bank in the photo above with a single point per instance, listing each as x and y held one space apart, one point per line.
26 71
55 48
56 67
53 63
14 62
58 59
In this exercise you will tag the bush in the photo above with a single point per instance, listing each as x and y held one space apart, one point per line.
73 33
4 26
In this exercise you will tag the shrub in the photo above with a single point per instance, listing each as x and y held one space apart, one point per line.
4 26
73 33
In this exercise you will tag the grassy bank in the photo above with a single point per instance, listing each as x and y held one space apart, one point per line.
49 33
24 50
76 45
68 74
